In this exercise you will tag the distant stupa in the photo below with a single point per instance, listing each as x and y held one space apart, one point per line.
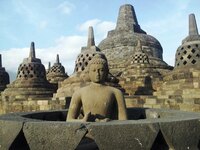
4 77
31 82
56 73
189 52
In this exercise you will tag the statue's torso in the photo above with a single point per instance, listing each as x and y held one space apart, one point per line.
99 100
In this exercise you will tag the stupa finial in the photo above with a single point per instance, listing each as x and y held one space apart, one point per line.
139 46
193 30
49 65
57 59
126 17
32 50
91 41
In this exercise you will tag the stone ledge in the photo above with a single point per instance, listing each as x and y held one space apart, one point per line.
148 128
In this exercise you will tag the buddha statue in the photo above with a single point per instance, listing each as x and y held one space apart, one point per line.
97 101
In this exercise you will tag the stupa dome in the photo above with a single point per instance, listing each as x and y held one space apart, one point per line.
121 43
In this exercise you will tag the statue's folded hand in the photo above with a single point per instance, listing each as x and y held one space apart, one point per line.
102 120
86 116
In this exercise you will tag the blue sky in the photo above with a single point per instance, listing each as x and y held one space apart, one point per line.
60 26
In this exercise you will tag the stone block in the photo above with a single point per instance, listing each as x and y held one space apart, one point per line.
43 102
187 107
147 106
9 130
197 101
181 135
44 107
188 101
141 138
162 96
53 135
196 84
157 106
151 101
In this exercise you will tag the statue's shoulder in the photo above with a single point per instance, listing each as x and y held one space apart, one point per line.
112 88
84 89
116 90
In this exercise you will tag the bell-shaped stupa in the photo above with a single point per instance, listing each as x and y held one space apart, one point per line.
56 73
31 82
189 52
121 43
4 77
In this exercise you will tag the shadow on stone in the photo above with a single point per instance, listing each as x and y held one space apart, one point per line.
198 146
87 144
20 143
147 89
48 116
160 143
136 113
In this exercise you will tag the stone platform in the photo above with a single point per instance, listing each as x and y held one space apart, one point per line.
146 129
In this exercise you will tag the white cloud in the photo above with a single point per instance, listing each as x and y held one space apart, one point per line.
65 7
84 26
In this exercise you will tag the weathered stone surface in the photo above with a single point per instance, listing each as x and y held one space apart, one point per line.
181 134
53 135
131 62
133 135
158 129
9 130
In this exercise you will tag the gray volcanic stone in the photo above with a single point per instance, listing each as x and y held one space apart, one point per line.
120 135
182 134
53 135
9 130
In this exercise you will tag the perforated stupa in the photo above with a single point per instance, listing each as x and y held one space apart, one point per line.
56 73
31 82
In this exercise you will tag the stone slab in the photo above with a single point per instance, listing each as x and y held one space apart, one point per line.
9 130
118 135
182 134
53 135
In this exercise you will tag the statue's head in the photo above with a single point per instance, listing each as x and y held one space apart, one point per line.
98 69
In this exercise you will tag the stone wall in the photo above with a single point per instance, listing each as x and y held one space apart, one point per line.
31 105
179 90
172 103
